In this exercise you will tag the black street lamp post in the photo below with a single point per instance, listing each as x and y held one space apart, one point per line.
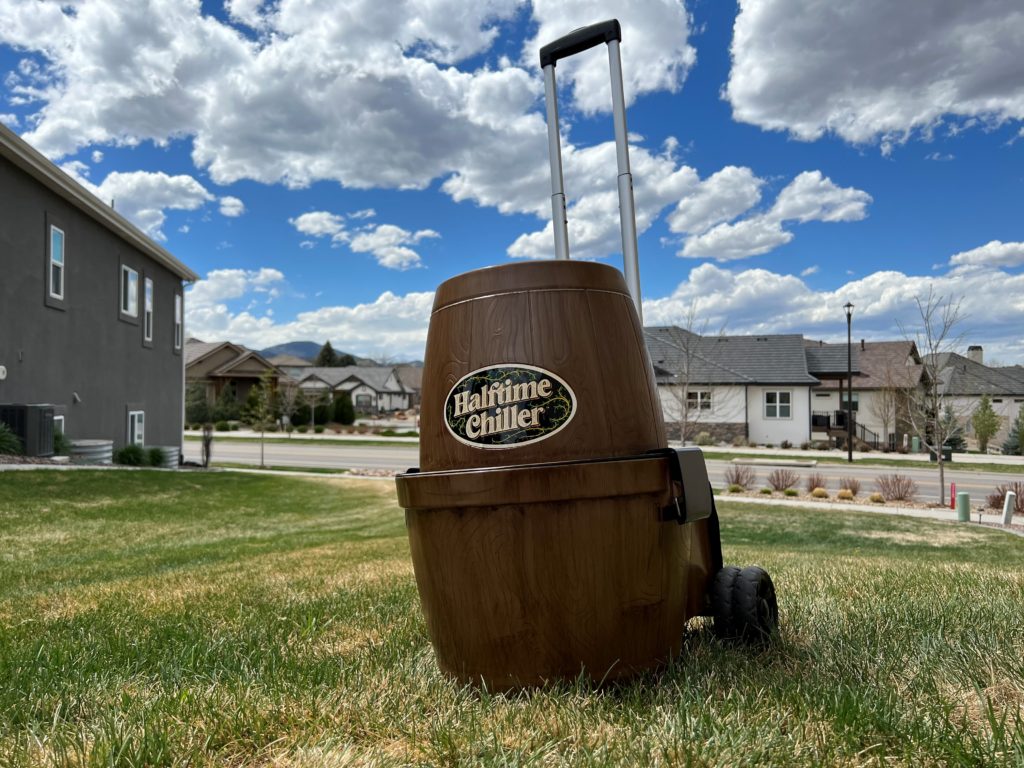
849 382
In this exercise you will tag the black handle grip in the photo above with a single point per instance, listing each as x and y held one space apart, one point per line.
580 40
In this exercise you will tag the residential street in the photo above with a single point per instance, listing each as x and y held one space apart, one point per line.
402 456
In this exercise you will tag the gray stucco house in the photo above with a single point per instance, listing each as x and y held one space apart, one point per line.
91 309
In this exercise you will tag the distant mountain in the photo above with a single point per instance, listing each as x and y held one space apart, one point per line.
308 350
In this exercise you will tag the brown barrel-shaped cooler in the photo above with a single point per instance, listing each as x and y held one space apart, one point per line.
535 519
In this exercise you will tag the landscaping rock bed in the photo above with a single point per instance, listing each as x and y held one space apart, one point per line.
8 459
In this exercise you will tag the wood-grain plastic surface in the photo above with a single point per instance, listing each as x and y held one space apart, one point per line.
547 559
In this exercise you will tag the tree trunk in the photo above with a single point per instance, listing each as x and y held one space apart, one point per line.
942 476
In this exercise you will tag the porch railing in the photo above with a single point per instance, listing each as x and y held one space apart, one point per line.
835 421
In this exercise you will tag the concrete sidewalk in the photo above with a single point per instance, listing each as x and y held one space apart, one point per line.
251 435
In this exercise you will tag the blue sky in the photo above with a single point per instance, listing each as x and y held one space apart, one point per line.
324 166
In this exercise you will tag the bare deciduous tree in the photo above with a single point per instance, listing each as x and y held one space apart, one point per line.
885 402
936 337
689 395
263 411
288 401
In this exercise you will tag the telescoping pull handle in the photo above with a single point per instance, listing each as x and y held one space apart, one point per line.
580 40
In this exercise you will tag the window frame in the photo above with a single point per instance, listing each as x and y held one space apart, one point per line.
52 263
777 405
148 292
127 274
855 401
179 322
59 418
51 298
139 431
699 399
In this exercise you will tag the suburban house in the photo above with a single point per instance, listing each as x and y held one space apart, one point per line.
888 372
221 364
92 310
758 388
373 389
963 380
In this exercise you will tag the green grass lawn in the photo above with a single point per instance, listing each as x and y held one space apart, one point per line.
155 618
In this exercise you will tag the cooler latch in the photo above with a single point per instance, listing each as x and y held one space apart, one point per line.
691 490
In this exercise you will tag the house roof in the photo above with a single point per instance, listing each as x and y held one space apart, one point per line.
374 377
877 364
410 377
774 359
959 375
32 162
290 361
232 367
1015 372
832 360
196 350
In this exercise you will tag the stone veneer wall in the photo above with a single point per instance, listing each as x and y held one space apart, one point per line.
720 433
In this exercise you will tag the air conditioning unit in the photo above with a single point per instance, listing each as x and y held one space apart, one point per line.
33 424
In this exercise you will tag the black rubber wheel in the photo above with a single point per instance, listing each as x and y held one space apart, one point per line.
755 610
721 595
743 604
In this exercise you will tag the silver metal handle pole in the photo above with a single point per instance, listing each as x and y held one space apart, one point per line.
558 215
627 212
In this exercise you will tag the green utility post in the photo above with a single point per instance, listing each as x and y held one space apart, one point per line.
963 506
1009 504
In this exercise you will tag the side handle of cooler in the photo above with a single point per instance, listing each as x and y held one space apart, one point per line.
580 40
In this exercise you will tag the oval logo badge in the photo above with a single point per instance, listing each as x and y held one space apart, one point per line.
507 405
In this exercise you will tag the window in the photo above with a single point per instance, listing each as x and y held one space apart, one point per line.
177 321
364 402
856 402
129 291
997 399
58 425
56 263
699 400
147 322
778 405
136 427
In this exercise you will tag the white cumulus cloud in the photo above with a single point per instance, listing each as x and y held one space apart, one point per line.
992 254
389 245
231 207
655 49
320 224
143 197
757 301
809 197
876 70
721 197
221 307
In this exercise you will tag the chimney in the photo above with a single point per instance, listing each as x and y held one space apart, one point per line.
976 354
862 345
